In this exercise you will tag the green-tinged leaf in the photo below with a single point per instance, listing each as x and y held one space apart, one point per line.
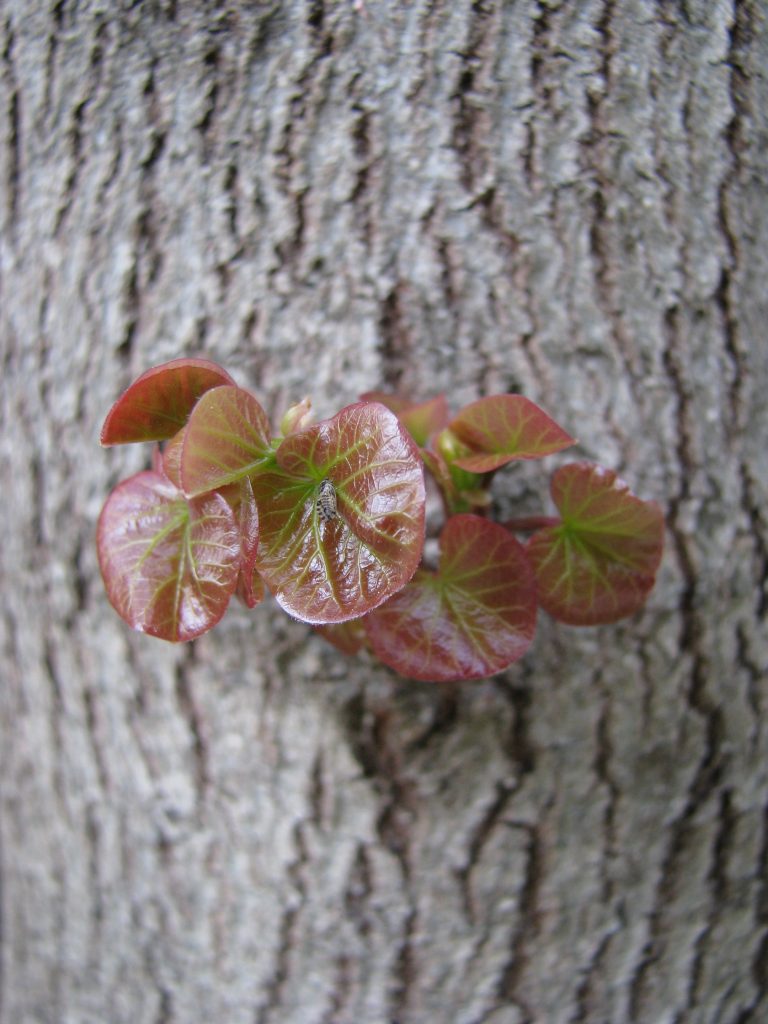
500 428
348 637
324 566
170 565
227 438
462 491
471 618
159 402
599 564
421 419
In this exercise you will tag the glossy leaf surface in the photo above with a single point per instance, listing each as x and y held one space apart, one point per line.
170 565
500 428
471 618
159 402
226 438
334 570
600 562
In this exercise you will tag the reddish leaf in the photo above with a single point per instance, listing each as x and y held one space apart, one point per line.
424 420
348 637
169 461
438 467
250 588
226 438
170 565
326 568
159 402
472 618
250 585
420 419
501 428
599 564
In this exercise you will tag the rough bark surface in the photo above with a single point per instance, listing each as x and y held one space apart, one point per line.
568 200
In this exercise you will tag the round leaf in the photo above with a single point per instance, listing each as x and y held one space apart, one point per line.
159 402
599 564
501 428
170 565
471 618
324 566
226 438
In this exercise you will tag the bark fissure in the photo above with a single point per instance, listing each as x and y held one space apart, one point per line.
14 126
362 142
275 987
690 626
94 732
211 62
719 887
52 48
56 718
395 345
78 150
684 831
741 30
196 725
488 822
469 117
593 972
599 147
512 978
604 754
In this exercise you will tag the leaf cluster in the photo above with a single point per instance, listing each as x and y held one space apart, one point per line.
330 517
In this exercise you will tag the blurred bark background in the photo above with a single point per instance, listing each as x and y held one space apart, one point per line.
564 199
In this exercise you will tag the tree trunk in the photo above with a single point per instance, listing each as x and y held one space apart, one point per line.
566 200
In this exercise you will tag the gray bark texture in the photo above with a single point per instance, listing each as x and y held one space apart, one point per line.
569 200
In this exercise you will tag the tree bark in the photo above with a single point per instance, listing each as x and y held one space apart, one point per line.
328 197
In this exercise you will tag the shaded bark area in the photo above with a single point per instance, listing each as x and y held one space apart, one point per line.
568 201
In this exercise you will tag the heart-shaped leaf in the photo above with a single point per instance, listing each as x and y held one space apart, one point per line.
159 402
331 552
226 438
599 564
500 428
471 618
170 565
